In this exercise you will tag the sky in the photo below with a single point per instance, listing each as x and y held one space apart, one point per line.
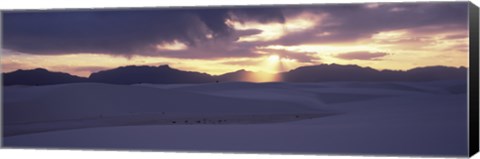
397 36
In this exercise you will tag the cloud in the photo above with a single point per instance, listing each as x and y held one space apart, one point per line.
243 62
372 5
121 32
456 36
205 33
304 57
361 55
8 66
247 32
259 14
350 22
397 9
463 48
88 68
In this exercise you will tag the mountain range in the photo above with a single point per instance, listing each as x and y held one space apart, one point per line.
164 74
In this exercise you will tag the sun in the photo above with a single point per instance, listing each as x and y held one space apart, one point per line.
274 58
271 65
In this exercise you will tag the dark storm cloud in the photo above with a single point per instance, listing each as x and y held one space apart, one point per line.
260 14
362 55
120 32
113 32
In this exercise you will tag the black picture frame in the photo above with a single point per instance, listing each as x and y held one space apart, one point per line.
474 82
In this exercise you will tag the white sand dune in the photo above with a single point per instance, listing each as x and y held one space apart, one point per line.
72 106
424 118
73 101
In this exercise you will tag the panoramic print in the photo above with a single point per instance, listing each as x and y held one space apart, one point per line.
366 78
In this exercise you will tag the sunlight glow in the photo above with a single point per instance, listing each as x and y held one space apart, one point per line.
271 65
274 58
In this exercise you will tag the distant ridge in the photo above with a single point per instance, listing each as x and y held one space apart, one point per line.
242 76
164 74
335 72
39 76
148 74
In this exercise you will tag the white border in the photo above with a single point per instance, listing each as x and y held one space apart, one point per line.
82 154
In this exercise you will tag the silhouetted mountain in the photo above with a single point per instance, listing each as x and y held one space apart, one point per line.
334 72
39 76
331 72
436 73
166 75
148 74
234 76
242 76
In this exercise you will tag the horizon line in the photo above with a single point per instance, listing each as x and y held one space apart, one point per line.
107 69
